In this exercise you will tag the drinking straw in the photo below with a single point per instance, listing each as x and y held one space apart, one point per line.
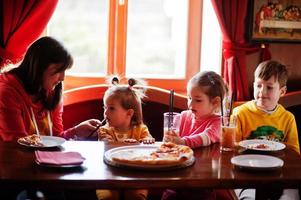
222 110
170 116
231 103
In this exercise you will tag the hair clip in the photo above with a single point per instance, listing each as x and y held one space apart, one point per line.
211 80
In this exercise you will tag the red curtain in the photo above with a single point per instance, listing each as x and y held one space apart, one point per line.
21 23
232 17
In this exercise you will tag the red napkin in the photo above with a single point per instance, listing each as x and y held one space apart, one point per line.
59 158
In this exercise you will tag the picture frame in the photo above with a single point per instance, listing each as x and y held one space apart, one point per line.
275 21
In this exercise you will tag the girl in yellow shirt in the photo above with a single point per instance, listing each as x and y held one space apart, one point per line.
123 114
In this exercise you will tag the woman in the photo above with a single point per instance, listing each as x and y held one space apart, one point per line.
31 94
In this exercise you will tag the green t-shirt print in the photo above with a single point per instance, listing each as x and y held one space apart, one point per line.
268 133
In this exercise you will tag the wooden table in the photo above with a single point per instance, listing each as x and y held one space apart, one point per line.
212 169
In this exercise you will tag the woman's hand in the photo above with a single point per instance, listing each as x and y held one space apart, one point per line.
85 128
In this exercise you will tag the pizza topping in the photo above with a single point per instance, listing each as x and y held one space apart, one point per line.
32 140
258 146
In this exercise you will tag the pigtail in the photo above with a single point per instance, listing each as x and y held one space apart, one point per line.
138 87
115 80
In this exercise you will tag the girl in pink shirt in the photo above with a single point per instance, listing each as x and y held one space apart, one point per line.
200 125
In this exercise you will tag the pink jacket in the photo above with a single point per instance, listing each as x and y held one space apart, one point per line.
15 112
202 132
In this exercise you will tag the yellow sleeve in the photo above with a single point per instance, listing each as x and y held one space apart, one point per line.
145 132
291 139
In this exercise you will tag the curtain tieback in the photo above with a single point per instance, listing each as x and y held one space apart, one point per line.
231 49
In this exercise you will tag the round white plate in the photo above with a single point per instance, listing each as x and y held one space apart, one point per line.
262 145
137 150
47 141
254 161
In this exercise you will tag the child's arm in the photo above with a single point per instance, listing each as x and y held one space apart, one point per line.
291 139
204 137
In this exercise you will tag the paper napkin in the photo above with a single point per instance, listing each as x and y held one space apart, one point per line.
59 158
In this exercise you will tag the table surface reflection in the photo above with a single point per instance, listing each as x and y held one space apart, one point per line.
211 169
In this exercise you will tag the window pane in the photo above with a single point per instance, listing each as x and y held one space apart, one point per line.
156 38
82 27
211 40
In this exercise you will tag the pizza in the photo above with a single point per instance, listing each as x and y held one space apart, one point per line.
258 146
31 140
165 154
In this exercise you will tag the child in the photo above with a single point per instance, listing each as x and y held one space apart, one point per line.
200 125
263 117
123 114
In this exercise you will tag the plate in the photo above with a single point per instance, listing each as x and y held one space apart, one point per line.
255 161
47 141
140 150
262 145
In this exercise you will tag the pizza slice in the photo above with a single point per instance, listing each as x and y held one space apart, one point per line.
31 140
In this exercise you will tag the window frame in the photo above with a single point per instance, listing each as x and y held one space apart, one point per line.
116 56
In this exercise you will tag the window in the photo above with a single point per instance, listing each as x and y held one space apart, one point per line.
157 40
211 40
83 28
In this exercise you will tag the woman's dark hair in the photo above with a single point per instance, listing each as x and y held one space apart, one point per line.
39 56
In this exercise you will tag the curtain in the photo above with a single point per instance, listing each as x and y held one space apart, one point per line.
232 17
21 23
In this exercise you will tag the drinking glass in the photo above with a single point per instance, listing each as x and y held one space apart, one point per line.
171 123
228 133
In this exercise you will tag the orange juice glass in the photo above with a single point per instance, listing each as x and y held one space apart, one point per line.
228 134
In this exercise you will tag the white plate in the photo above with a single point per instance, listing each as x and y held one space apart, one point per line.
136 150
262 145
254 161
47 141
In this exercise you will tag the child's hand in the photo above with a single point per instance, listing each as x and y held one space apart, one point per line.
147 140
174 138
105 138
130 140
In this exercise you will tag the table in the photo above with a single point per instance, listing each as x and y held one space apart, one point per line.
212 169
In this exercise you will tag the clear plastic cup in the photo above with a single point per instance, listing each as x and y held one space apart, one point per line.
171 123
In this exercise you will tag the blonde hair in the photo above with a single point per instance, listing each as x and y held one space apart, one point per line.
129 97
210 82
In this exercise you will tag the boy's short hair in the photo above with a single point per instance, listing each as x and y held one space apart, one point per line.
267 69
